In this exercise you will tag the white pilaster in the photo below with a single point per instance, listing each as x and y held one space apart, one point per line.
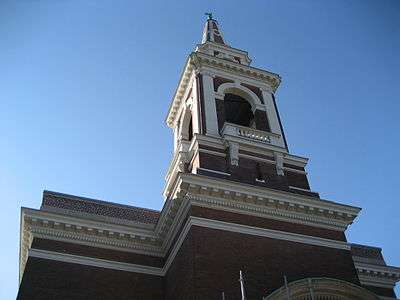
209 105
272 114
176 129
195 107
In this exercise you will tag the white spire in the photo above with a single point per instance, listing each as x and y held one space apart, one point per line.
211 32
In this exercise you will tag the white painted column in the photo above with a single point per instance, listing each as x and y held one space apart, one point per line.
195 106
176 129
210 109
272 114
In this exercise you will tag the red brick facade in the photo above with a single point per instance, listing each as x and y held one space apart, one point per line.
48 279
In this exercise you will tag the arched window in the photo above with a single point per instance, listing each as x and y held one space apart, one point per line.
190 135
186 126
322 289
238 110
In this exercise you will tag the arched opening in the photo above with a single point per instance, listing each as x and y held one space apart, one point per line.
190 133
238 110
186 126
322 289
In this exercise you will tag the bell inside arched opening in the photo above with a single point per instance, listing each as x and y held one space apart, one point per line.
238 110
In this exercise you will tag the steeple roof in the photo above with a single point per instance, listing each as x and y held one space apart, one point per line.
211 32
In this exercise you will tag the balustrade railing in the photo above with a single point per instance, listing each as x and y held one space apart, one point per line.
250 133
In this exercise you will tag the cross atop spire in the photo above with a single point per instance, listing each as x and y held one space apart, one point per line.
211 32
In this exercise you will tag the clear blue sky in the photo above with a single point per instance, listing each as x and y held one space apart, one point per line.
85 87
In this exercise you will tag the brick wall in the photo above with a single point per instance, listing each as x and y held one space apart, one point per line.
250 169
45 279
260 222
217 256
101 253
381 291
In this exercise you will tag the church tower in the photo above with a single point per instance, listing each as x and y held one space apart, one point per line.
236 202
226 123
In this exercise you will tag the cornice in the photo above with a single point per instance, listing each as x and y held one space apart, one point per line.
377 275
227 48
191 221
179 92
198 60
50 225
202 59
286 200
255 207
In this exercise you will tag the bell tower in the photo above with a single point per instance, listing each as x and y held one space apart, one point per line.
226 122
237 205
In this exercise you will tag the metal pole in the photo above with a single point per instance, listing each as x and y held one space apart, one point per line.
286 288
311 289
242 285
223 296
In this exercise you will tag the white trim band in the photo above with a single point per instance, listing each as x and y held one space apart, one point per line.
269 233
95 262
192 221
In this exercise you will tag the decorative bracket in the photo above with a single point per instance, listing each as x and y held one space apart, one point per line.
279 163
234 153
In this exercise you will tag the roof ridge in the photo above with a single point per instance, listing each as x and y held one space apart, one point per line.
98 201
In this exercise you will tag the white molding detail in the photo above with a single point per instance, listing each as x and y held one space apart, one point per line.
95 262
242 91
212 152
214 171
192 221
269 233
377 275
203 61
254 209
345 213
300 189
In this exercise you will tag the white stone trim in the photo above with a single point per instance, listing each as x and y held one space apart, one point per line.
257 210
257 158
214 171
212 152
207 46
85 223
260 76
204 61
177 223
294 170
95 262
381 269
210 111
244 92
243 142
377 275
269 233
178 245
272 113
300 189
180 91
276 195
378 282
192 221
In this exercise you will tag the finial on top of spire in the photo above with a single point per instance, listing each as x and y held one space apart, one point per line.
211 31
209 16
